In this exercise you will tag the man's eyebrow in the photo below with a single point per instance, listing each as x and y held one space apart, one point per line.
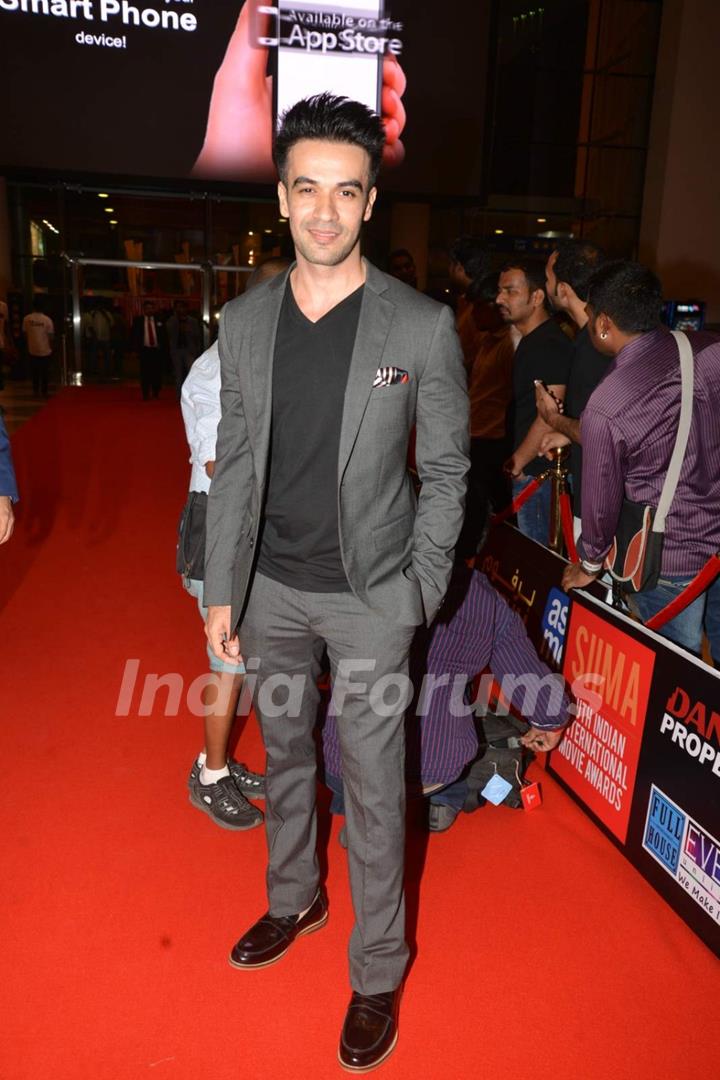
299 180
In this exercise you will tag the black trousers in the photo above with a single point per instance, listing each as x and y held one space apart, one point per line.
488 489
39 370
150 371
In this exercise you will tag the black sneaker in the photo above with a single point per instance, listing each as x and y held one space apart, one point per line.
225 804
249 783
441 817
194 773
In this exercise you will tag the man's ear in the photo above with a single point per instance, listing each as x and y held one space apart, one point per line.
372 196
283 199
604 325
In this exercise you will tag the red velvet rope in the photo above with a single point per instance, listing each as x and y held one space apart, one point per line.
567 527
518 501
698 585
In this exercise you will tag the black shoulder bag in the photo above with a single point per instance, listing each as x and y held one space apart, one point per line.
190 552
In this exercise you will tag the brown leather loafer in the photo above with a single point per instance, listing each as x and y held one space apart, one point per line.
271 937
370 1031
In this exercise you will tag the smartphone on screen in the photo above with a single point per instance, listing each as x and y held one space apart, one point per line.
315 51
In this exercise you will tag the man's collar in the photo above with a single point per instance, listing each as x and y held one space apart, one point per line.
639 344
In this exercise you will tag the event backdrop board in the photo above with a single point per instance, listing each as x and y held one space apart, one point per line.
529 575
642 755
113 87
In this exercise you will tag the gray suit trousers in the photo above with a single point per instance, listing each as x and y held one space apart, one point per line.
285 631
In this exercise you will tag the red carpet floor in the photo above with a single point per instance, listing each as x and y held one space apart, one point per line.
540 953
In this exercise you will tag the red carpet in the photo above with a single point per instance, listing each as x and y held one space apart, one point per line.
541 954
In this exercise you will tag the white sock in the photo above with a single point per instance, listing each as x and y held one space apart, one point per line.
211 776
201 758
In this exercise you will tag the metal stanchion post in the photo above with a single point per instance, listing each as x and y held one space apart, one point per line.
558 479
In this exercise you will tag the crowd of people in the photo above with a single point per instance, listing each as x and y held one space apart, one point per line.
163 339
614 386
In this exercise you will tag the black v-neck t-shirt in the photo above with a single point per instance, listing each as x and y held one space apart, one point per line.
300 543
545 353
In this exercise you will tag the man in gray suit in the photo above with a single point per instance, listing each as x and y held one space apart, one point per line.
316 540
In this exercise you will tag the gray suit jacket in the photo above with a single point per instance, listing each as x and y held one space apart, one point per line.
397 550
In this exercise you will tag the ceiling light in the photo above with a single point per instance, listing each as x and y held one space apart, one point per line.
103 195
251 233
113 221
109 210
499 232
541 220
268 231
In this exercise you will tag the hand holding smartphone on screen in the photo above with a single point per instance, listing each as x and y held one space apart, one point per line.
246 100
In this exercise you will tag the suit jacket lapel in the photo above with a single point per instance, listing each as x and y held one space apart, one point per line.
376 315
262 354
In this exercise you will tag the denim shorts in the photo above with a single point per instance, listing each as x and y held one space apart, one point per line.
195 588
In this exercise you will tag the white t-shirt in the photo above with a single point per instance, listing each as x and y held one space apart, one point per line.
38 328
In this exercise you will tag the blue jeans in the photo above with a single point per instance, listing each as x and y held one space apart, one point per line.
534 517
712 619
453 795
685 629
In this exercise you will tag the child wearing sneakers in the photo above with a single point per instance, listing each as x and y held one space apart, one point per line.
218 786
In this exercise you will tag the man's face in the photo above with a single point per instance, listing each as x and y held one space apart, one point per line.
403 268
514 298
326 199
551 282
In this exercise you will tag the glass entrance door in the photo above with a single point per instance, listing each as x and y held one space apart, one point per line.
108 296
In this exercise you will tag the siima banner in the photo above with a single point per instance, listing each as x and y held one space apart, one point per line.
642 756
611 674
180 88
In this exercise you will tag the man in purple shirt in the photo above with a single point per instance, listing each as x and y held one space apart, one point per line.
628 431
475 630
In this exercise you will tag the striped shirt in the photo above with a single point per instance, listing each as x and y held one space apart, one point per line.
474 630
628 432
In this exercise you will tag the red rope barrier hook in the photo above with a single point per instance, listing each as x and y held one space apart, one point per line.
519 500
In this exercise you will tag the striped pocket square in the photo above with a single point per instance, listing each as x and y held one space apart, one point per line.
390 376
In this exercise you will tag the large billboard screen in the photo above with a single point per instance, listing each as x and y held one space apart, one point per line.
192 88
